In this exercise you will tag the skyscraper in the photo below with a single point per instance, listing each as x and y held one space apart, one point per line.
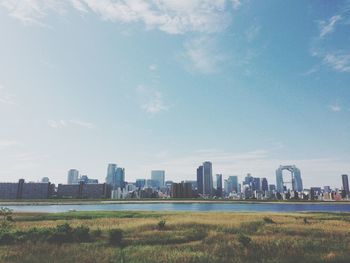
345 180
110 178
120 177
264 185
232 184
73 176
207 178
200 179
159 176
219 185
296 184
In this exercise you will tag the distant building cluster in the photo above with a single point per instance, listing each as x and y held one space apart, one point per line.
289 186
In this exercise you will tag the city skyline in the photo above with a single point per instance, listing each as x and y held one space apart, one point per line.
170 84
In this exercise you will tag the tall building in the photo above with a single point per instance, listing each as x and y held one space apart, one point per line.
181 190
200 179
264 185
345 181
120 177
110 178
256 185
219 185
45 180
232 184
159 176
140 183
295 183
207 178
73 176
115 176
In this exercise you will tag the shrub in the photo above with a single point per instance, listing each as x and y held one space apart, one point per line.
251 227
81 234
161 224
6 238
61 234
115 236
244 240
97 232
268 220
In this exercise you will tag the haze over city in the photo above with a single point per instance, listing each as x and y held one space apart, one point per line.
170 84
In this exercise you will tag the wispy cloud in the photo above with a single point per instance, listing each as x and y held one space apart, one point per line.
151 100
339 62
335 107
5 97
57 124
202 55
252 32
33 11
327 27
152 67
173 17
8 143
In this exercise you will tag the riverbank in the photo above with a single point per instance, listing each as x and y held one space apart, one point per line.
177 237
155 201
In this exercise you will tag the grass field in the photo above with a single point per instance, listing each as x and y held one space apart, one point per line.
177 237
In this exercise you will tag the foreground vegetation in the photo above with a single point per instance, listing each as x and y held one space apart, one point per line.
174 237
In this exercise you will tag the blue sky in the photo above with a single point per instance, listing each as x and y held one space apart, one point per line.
167 85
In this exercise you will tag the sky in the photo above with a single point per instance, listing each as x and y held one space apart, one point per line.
247 85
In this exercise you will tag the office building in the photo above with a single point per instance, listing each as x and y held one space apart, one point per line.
82 190
73 176
140 183
159 176
345 181
200 179
264 185
181 190
23 190
219 185
207 178
232 184
293 183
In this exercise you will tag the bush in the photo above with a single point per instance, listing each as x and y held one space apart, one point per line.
115 236
6 238
81 234
161 224
244 240
97 232
268 220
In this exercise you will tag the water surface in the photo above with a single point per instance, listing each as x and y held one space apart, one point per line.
199 207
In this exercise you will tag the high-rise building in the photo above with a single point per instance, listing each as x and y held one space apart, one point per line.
264 185
140 183
73 176
159 176
110 178
256 185
207 178
181 190
295 182
219 185
115 176
200 179
45 180
120 177
232 184
345 181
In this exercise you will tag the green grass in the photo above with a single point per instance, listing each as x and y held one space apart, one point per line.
184 237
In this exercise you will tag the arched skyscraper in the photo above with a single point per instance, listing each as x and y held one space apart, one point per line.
295 181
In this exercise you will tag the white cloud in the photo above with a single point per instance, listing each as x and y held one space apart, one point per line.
236 4
335 108
202 55
8 143
170 16
151 100
57 124
152 67
329 26
252 32
5 97
33 11
339 62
